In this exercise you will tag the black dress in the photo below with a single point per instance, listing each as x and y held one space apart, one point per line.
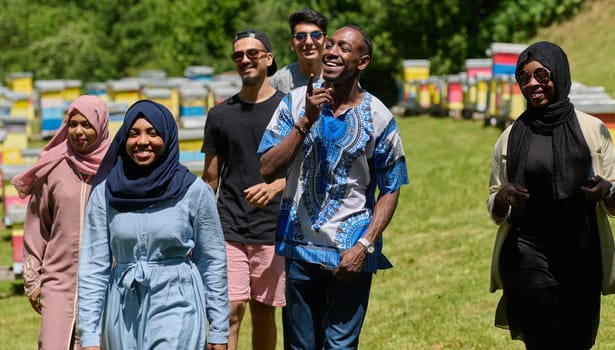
550 262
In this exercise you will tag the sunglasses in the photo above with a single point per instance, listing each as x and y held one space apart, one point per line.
315 35
542 75
252 54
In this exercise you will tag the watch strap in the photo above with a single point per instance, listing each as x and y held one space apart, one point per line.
302 131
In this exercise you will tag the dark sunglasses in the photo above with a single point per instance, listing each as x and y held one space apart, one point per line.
542 75
315 35
252 54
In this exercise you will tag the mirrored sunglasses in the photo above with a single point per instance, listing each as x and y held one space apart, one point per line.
252 54
315 35
542 75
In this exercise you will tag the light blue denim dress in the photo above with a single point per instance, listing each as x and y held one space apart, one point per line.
169 278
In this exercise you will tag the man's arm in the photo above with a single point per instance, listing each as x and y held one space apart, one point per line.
276 160
211 170
352 260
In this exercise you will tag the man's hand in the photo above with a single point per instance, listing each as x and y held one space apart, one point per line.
351 263
261 194
315 99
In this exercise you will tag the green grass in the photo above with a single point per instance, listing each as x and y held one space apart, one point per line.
440 242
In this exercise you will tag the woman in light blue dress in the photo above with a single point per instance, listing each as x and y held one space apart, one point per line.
152 272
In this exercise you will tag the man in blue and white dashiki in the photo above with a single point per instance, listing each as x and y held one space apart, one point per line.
337 144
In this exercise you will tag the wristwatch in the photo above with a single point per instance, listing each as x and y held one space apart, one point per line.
370 248
302 131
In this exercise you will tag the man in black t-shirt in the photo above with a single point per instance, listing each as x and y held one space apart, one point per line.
248 207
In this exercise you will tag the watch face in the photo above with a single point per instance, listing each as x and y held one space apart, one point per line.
371 249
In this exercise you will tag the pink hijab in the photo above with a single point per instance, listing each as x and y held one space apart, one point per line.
59 147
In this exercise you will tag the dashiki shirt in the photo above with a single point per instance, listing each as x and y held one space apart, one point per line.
331 184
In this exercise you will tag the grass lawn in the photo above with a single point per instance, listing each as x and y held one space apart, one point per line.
440 242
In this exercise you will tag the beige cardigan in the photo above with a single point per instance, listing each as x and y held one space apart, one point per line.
602 152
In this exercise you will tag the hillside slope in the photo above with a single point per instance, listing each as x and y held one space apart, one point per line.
589 42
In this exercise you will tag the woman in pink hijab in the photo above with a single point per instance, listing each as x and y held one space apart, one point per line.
59 185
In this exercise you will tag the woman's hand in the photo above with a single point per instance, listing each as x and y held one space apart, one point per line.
509 195
597 189
512 194
35 299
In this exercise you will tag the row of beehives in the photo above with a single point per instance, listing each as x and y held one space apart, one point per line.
486 90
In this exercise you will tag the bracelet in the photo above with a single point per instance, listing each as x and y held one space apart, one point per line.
302 131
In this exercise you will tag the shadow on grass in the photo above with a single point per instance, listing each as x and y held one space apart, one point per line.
11 288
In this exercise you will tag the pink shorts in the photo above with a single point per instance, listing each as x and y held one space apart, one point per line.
255 272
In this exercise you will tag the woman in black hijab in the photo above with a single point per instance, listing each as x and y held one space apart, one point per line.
550 191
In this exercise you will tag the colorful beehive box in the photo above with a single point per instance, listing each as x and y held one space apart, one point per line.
20 82
476 66
193 105
51 105
416 69
504 56
97 89
200 73
72 90
151 80
22 106
436 92
482 95
190 142
127 91
415 72
595 101
160 95
455 95
470 95
117 111
219 90
517 101
5 107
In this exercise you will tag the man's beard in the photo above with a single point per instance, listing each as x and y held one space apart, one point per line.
250 81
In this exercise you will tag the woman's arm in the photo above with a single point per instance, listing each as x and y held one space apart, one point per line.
37 230
94 268
210 257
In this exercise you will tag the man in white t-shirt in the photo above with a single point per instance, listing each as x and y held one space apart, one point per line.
308 30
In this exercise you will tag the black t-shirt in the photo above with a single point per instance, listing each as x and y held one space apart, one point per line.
233 131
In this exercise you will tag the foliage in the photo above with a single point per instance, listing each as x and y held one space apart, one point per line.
98 40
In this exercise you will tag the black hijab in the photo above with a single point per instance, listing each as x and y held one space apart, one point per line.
131 187
571 155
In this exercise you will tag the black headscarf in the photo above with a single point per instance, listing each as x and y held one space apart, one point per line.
571 155
131 187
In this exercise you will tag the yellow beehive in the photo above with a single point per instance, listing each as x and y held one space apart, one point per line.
124 91
416 69
72 90
20 82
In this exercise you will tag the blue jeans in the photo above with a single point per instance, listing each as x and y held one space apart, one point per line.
322 312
